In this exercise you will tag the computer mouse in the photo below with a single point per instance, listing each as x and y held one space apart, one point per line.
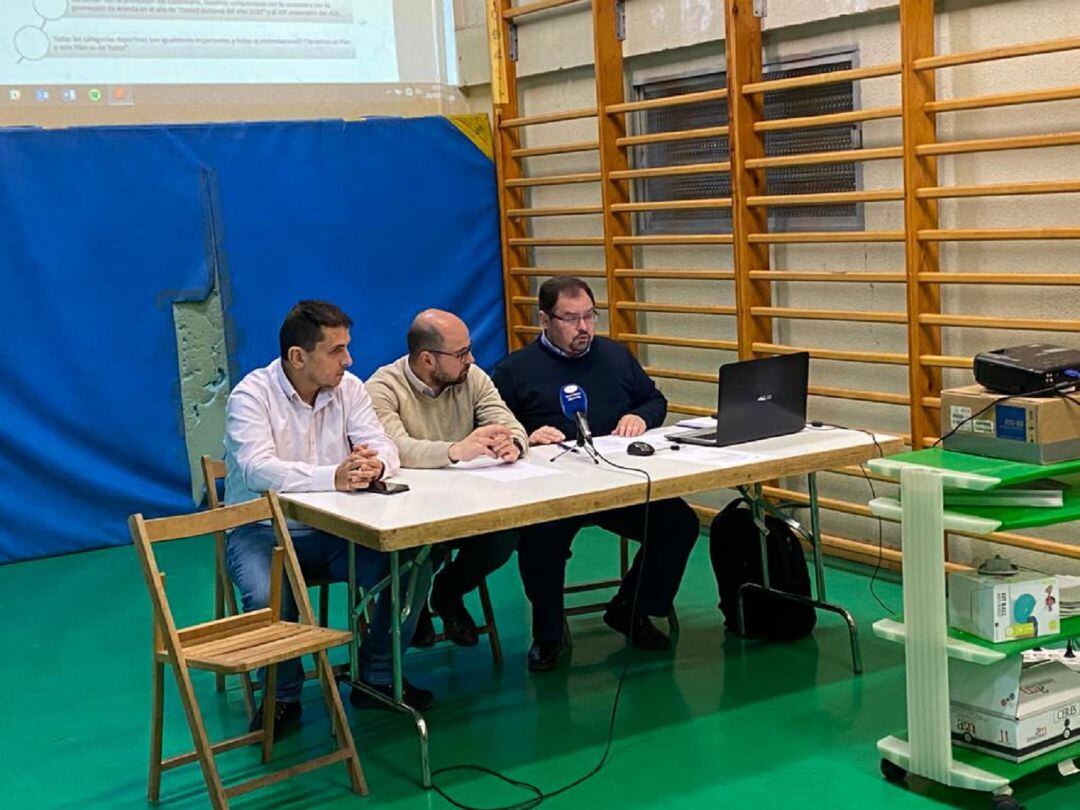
640 449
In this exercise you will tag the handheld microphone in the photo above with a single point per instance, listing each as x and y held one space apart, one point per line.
575 407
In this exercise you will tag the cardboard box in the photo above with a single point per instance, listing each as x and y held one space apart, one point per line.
1038 430
1012 711
996 608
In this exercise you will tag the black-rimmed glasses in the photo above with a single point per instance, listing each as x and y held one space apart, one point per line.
459 355
584 317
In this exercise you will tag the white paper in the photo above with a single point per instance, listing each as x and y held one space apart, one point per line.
480 462
513 472
697 422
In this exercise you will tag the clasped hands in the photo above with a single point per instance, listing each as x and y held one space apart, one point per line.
493 441
358 470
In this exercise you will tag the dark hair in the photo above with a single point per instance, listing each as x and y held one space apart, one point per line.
550 290
422 337
304 324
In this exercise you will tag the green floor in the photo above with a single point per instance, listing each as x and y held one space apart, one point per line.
721 723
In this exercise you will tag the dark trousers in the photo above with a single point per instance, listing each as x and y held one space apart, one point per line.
659 564
476 558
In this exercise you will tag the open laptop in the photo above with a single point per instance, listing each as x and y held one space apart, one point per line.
757 399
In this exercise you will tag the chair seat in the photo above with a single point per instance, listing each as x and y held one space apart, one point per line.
256 646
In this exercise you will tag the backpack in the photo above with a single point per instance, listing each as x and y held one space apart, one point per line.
736 558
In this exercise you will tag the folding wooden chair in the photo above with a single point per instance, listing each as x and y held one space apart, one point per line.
233 645
225 594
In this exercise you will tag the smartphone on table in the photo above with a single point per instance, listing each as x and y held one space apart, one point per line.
386 487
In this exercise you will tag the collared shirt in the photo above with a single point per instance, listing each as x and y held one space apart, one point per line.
276 441
417 383
553 348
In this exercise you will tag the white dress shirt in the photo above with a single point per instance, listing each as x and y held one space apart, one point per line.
276 441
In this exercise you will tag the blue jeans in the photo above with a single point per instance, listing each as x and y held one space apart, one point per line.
322 556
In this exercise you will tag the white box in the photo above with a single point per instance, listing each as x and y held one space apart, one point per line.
996 608
1012 712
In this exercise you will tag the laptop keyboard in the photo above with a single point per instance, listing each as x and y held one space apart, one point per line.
708 437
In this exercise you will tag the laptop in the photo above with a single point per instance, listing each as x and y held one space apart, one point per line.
756 399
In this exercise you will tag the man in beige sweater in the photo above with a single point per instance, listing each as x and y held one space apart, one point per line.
440 409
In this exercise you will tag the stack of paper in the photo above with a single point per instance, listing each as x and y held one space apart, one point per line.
1070 595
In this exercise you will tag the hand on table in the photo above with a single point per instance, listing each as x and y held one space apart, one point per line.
546 435
630 425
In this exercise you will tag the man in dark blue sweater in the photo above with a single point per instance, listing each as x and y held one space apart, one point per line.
624 401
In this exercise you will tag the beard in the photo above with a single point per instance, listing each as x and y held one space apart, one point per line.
448 381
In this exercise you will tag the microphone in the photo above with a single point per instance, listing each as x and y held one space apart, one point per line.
575 407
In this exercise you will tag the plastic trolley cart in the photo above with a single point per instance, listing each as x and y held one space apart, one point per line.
926 749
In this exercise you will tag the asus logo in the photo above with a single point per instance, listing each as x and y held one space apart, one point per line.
765 398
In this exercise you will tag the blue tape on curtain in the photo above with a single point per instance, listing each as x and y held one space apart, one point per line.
102 229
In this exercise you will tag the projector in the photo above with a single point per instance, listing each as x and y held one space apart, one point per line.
1028 369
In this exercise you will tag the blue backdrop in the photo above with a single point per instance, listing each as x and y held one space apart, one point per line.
102 230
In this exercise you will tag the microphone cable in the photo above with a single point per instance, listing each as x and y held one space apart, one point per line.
539 795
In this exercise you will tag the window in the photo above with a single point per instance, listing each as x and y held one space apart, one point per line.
821 100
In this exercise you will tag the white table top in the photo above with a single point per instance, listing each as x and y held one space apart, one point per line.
450 503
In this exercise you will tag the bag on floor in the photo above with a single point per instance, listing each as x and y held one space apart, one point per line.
736 558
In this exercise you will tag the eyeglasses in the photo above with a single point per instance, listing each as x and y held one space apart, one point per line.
584 317
460 354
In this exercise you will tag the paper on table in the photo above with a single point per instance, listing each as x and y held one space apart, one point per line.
692 454
697 422
480 462
512 472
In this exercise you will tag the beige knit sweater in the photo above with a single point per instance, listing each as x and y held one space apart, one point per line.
423 427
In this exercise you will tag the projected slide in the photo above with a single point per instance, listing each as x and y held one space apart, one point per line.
198 41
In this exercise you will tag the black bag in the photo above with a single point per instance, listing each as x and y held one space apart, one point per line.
736 558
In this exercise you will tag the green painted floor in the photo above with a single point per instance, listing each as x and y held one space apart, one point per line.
720 723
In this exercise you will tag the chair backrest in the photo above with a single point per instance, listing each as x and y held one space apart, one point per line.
213 471
146 533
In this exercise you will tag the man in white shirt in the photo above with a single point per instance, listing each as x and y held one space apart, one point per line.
304 424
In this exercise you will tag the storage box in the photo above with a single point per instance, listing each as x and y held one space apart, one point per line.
1014 712
996 608
1038 430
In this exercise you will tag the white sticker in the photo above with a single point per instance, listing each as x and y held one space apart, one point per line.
957 415
984 426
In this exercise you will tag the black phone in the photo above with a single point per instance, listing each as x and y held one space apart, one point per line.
387 487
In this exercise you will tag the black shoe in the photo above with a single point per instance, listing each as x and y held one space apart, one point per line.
644 635
544 655
458 624
424 634
286 718
414 696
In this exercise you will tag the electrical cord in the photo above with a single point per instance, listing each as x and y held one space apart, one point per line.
539 795
873 494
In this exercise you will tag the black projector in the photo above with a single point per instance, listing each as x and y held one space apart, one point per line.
1030 369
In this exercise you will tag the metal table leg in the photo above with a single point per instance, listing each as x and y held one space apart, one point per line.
760 506
397 615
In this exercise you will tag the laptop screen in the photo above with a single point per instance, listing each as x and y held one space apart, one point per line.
759 399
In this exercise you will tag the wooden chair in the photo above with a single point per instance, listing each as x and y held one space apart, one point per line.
599 607
236 644
225 594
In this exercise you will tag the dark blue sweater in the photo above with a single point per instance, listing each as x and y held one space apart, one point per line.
615 383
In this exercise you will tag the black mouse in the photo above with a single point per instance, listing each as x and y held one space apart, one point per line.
640 449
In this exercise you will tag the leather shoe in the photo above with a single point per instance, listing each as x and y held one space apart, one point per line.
286 718
424 634
414 696
643 634
458 624
544 656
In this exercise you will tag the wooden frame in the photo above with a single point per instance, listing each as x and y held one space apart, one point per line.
754 277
